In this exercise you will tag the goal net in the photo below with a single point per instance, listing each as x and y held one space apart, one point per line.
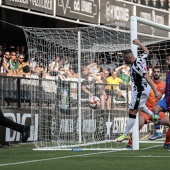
68 66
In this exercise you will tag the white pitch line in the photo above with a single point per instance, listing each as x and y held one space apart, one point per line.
141 156
63 157
150 147
71 156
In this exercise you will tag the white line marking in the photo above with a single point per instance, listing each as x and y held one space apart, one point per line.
71 156
150 147
63 157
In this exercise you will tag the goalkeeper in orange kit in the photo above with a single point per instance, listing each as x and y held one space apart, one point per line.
150 103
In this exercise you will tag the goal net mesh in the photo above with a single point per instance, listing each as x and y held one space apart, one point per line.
53 57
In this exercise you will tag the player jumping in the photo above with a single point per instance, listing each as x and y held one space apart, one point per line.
141 86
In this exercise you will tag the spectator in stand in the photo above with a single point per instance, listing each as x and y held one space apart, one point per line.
17 50
54 66
150 71
72 63
5 64
17 53
105 74
88 88
1 54
154 61
71 74
41 62
23 68
113 88
62 74
85 72
113 64
100 86
92 68
12 48
34 67
22 50
86 59
123 73
66 64
14 64
99 62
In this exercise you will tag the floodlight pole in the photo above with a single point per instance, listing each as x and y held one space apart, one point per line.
79 84
133 35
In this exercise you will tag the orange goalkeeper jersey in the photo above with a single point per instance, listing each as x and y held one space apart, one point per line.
152 100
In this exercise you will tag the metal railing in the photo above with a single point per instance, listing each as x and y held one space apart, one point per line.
15 92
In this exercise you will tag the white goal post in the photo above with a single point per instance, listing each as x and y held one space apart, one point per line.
134 20
66 57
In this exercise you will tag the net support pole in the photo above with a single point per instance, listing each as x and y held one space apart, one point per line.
133 35
79 84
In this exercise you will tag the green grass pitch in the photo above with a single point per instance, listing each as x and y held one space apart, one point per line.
22 157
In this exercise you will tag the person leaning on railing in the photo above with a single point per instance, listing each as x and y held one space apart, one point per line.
23 68
113 87
88 88
124 74
5 64
14 64
100 86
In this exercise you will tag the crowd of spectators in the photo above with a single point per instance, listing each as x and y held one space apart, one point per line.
108 85
13 61
106 80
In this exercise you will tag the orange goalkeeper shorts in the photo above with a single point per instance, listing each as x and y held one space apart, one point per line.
148 118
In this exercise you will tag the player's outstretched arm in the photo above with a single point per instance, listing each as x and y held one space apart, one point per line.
137 42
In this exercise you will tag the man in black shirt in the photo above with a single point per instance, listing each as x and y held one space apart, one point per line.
24 130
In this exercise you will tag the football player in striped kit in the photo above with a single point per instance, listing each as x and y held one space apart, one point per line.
141 87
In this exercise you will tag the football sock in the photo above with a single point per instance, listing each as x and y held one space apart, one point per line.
129 124
130 140
167 140
157 125
147 111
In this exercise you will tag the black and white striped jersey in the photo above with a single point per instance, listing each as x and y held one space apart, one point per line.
137 70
